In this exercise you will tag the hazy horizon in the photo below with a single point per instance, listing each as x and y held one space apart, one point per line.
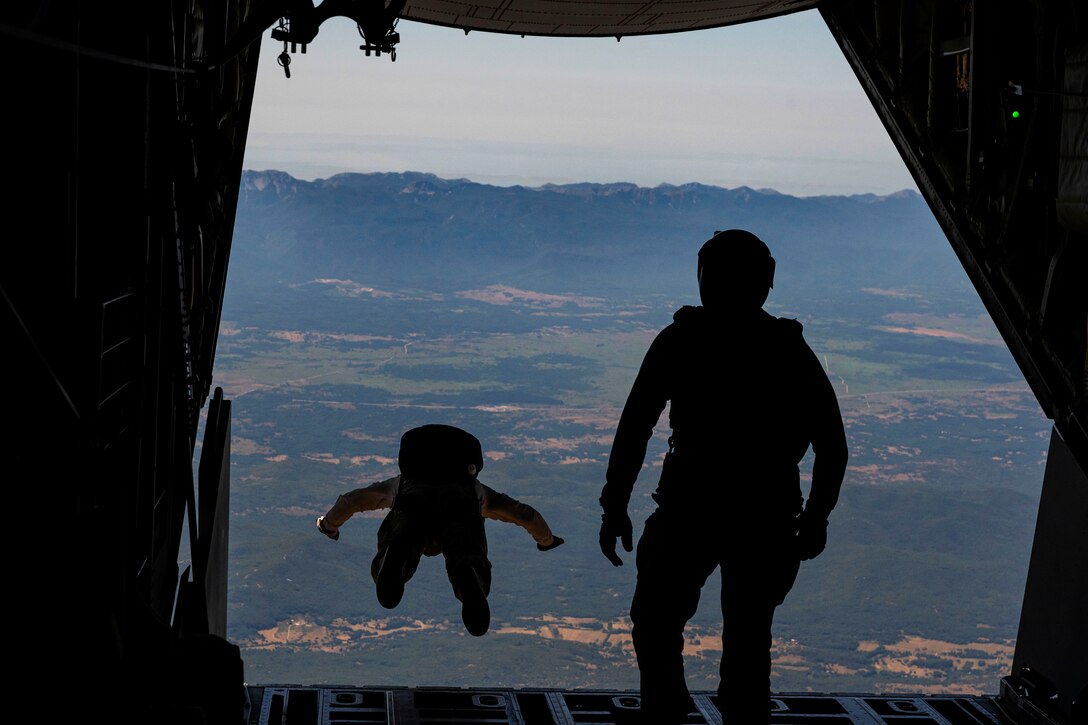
768 104
505 183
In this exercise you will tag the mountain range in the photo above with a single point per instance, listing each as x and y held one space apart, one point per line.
416 230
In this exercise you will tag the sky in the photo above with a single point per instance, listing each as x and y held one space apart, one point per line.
771 104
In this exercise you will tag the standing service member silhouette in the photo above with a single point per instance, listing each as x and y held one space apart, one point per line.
437 506
747 397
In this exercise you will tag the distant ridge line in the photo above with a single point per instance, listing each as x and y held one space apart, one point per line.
577 187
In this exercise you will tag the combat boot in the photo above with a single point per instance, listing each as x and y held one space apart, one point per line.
475 611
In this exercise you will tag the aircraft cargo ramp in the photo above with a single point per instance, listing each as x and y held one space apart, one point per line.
330 705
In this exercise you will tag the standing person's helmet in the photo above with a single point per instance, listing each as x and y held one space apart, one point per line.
735 269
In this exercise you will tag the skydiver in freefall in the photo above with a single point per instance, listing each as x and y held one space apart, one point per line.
437 505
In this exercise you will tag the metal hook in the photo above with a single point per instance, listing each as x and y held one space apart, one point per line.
284 59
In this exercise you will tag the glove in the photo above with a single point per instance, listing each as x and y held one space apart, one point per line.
615 525
556 541
333 534
811 537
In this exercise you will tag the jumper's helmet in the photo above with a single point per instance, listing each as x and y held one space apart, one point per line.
735 269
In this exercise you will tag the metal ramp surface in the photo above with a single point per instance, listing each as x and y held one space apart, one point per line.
332 705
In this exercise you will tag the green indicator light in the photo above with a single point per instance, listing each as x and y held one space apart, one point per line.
1016 114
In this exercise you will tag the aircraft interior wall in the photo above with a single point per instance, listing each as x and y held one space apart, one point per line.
1049 668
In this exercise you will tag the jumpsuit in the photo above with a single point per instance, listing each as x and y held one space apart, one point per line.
747 398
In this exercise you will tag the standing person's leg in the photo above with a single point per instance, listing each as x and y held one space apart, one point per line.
464 545
672 568
753 585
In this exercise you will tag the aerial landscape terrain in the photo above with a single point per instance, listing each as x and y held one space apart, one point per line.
365 304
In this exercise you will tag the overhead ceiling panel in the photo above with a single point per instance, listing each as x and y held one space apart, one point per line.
602 18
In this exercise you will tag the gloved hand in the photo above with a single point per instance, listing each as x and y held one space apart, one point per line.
615 525
333 534
811 536
556 541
